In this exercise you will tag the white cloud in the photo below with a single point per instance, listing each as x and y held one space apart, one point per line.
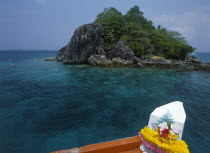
194 25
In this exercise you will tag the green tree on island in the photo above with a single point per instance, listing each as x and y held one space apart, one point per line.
141 35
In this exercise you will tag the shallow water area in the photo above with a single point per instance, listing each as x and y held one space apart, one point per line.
48 106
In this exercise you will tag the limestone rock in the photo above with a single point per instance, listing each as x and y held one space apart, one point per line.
86 41
60 54
202 67
140 65
192 59
98 60
122 51
117 61
50 59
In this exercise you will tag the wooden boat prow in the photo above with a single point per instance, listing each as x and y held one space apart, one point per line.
126 145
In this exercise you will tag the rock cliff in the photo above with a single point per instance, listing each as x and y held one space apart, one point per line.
86 41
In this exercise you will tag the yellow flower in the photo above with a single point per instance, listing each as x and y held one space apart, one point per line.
169 145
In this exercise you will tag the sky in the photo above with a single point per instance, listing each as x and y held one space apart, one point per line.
49 24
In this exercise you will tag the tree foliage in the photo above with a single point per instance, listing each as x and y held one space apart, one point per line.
141 35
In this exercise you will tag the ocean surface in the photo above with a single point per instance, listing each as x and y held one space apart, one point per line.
48 106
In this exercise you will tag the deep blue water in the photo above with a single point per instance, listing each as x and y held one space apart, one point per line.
48 106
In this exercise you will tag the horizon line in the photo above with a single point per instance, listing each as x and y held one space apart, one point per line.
58 50
29 49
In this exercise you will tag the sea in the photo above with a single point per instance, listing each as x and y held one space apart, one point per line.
48 106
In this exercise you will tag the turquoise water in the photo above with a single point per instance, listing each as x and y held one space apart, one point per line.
48 106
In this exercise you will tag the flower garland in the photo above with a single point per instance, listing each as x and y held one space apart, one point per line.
149 146
162 140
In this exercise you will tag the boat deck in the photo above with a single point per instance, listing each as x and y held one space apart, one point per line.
126 145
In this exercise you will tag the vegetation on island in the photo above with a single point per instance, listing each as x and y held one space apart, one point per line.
141 35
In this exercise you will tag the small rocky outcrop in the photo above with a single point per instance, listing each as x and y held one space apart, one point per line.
86 41
193 59
189 63
202 67
121 55
98 60
50 59
122 51
60 54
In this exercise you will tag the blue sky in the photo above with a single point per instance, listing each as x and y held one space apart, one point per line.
49 24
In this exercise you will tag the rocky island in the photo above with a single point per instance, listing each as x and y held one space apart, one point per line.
128 40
